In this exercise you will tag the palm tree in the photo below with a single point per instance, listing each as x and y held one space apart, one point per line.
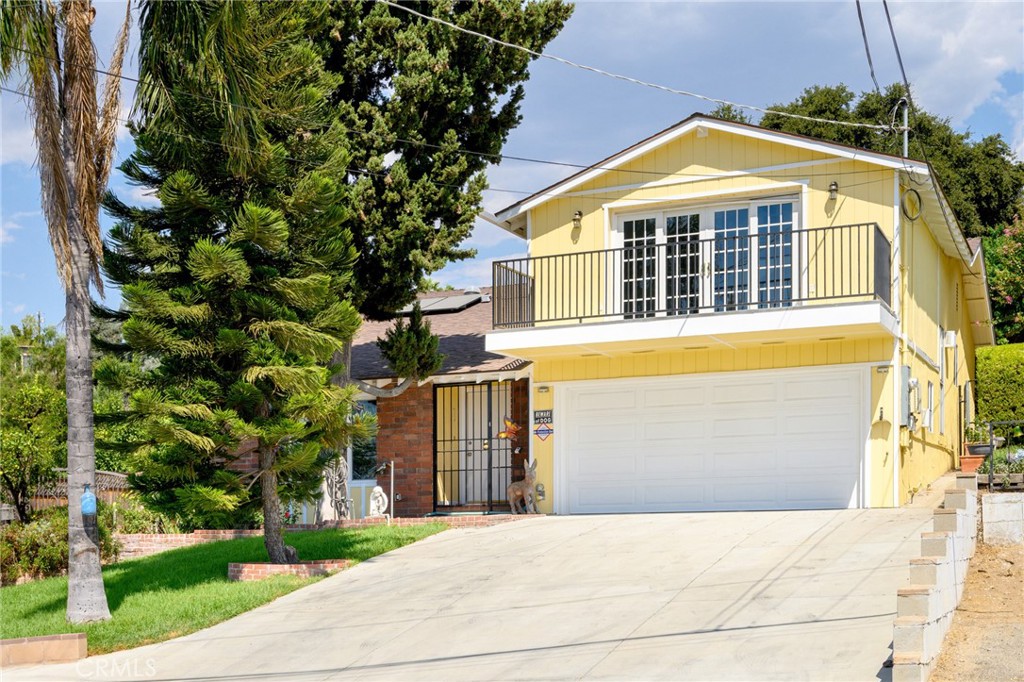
51 44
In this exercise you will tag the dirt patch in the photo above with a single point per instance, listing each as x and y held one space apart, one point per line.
986 640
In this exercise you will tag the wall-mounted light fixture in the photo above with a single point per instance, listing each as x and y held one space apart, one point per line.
833 191
577 220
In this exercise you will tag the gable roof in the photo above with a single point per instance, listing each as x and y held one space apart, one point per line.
935 209
688 125
460 339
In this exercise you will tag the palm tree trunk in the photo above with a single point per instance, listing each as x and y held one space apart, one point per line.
273 532
87 600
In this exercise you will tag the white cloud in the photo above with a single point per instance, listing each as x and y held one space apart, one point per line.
956 52
472 273
14 223
17 309
135 195
19 143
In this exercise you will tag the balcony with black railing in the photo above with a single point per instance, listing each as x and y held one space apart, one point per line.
762 271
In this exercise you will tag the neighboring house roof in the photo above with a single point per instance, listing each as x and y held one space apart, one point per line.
461 341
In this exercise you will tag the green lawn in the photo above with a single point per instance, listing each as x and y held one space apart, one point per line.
183 590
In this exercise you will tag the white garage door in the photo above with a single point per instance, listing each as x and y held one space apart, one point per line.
786 439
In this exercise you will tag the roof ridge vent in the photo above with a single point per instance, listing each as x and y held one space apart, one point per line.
472 290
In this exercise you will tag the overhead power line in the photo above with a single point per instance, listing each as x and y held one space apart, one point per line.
490 157
920 144
627 79
503 190
867 50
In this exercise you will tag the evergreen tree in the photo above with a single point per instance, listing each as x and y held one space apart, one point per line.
33 421
413 95
238 284
982 179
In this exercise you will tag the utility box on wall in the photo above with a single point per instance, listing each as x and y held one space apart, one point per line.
904 395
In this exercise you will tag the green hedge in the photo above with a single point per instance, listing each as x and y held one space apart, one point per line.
39 549
1000 379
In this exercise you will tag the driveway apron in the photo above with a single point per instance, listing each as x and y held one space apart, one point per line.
802 595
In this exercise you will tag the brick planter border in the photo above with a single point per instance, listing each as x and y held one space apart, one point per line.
45 649
247 572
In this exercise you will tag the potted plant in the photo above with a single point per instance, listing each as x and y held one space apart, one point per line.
977 447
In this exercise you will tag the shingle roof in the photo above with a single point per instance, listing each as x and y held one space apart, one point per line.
461 341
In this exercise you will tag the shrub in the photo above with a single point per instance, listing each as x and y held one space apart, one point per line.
39 549
1000 377
127 515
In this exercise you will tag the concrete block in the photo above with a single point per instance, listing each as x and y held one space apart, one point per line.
1004 532
924 570
956 499
996 509
949 520
936 544
908 633
918 601
967 481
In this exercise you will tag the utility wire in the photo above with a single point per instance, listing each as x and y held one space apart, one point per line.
867 50
628 79
924 151
383 174
494 159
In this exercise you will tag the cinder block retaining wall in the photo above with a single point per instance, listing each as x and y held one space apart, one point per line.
137 545
1002 518
924 609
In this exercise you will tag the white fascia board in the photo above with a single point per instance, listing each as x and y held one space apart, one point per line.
722 126
870 313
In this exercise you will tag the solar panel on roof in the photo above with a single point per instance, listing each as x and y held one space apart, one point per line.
444 304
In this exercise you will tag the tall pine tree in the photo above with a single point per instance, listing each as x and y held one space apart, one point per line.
237 286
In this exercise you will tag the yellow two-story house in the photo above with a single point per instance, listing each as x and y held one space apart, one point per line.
726 317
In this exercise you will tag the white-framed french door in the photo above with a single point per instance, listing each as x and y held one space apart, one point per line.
722 258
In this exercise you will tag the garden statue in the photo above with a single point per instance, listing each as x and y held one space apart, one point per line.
378 502
524 489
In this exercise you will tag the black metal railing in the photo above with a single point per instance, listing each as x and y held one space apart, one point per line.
765 270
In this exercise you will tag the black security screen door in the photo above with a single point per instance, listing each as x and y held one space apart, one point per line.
473 465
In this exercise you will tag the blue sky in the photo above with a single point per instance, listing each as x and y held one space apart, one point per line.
965 61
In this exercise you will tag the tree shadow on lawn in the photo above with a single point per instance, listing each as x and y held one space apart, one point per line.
185 567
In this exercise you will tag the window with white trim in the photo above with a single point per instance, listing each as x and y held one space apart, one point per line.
725 257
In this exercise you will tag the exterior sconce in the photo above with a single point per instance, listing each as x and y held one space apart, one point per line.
833 191
577 220
540 491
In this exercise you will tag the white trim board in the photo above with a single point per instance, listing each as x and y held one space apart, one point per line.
714 324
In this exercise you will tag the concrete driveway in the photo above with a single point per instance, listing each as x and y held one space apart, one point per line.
714 596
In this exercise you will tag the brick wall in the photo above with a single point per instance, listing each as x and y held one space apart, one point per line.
145 544
135 545
406 435
303 569
245 459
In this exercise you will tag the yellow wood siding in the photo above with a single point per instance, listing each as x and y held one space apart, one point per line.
669 176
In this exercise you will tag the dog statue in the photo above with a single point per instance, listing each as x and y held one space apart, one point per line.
524 490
